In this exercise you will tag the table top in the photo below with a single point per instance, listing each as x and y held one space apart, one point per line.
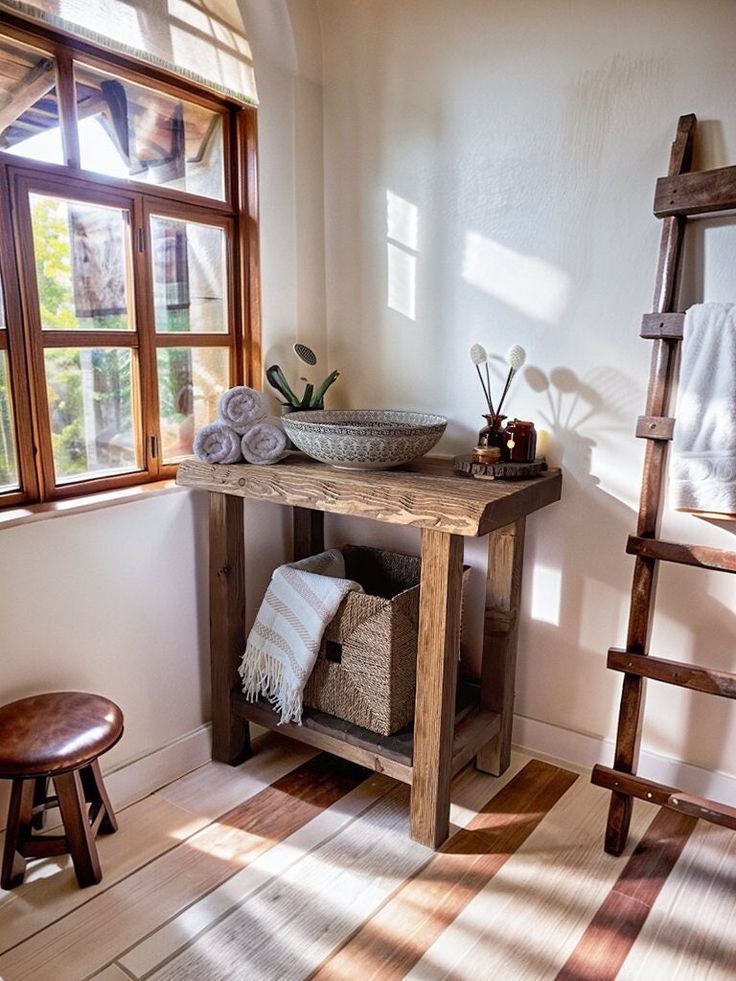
424 494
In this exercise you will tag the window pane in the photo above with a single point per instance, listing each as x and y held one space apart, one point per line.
30 111
129 131
82 265
8 466
90 405
190 383
189 276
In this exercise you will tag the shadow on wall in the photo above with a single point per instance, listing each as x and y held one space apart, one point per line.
575 575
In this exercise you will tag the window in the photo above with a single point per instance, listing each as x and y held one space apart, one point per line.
125 252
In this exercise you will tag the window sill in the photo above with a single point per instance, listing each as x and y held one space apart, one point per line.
88 502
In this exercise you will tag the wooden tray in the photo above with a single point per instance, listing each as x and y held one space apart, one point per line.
503 470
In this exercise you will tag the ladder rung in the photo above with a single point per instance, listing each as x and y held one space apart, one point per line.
674 672
667 325
700 193
655 427
659 793
698 555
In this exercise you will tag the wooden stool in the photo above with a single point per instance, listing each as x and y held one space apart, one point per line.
57 736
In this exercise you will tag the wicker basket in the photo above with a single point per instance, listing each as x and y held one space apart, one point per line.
366 669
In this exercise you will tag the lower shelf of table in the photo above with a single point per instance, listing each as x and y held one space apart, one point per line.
392 755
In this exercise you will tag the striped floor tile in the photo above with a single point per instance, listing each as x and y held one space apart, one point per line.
691 931
314 877
394 940
129 910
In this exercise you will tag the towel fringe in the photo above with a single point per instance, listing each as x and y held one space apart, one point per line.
264 675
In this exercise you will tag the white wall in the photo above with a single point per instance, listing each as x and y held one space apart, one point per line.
516 147
528 138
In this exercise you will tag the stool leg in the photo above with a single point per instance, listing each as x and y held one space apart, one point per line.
96 794
40 793
77 828
18 831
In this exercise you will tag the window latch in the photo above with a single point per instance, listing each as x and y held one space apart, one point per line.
153 443
141 240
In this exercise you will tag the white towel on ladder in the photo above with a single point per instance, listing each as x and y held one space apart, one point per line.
283 645
703 461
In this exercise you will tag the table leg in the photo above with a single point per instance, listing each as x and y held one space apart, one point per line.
230 734
500 632
309 532
437 665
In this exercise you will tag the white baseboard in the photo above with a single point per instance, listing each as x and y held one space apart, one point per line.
543 739
133 779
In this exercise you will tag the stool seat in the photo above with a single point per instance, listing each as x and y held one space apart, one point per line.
58 731
56 738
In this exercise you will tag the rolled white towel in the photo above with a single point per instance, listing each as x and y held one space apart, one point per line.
264 442
241 406
217 443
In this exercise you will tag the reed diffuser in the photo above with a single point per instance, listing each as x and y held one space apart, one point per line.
490 438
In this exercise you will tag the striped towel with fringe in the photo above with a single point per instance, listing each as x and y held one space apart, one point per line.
284 642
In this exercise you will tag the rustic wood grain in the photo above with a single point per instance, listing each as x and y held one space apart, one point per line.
309 532
700 193
679 673
662 325
426 494
503 470
699 555
230 735
20 817
437 663
644 583
500 634
471 736
664 796
655 427
603 948
79 835
383 754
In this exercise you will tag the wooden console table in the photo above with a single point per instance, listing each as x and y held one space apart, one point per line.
427 495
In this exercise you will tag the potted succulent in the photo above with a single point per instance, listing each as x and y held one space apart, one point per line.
310 398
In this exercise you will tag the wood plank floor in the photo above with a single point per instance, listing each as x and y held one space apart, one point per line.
298 866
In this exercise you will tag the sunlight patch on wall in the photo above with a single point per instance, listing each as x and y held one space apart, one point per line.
402 224
526 283
546 592
402 281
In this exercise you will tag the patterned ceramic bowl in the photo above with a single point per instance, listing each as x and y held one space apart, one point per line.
364 439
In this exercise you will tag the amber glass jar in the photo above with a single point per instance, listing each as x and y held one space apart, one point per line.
519 441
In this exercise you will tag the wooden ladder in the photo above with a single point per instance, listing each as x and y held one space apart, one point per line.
679 196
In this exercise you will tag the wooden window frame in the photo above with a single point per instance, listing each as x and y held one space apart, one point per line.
25 341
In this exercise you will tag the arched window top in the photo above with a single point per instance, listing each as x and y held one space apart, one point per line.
201 40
